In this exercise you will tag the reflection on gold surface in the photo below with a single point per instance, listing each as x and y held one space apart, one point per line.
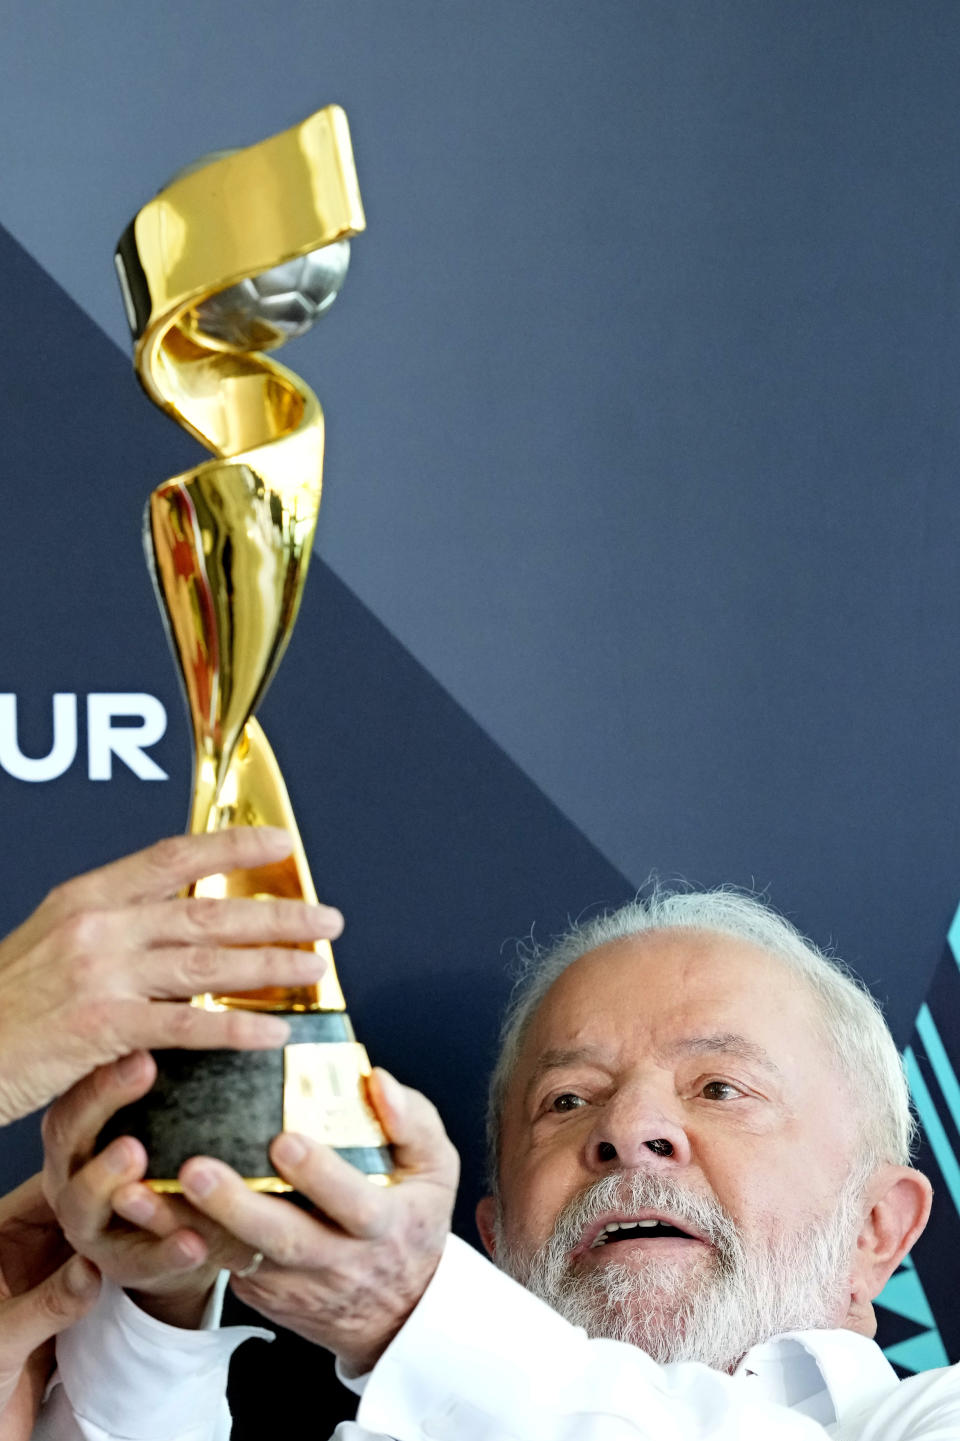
229 542
253 794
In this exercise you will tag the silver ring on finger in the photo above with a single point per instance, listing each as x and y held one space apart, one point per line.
251 1268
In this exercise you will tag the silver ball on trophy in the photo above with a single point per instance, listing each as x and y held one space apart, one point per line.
265 310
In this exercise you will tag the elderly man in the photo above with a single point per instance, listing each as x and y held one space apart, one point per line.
701 1159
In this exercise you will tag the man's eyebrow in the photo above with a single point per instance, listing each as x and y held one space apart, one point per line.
728 1044
556 1058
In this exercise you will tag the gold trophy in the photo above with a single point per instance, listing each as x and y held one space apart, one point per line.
237 254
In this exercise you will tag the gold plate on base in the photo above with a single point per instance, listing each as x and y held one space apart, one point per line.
271 1185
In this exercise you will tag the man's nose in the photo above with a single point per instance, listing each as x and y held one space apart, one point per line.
634 1132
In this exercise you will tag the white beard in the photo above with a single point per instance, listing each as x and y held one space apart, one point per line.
713 1312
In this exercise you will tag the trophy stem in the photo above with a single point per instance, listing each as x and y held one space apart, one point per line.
253 793
205 787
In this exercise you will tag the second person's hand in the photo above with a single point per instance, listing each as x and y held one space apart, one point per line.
107 963
170 1275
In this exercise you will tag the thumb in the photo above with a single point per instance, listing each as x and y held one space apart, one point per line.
413 1126
27 1321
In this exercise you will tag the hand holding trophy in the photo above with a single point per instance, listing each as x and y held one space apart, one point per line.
235 256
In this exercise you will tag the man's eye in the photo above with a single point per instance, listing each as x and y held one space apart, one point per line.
567 1101
720 1091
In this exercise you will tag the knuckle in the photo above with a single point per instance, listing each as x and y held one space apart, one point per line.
197 966
181 1023
171 854
272 918
289 1252
237 839
203 915
83 936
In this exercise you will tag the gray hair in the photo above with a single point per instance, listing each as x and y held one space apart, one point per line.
853 1021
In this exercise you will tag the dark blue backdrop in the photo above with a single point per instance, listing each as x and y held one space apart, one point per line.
640 521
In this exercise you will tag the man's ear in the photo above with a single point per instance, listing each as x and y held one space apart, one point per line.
486 1219
900 1200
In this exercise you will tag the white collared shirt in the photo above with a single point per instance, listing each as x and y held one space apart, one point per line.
481 1359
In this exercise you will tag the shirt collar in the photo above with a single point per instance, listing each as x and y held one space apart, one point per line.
853 1370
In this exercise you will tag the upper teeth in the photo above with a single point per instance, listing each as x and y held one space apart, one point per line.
622 1226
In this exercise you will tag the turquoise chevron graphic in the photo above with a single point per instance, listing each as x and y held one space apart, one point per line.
926 1107
904 1297
906 1303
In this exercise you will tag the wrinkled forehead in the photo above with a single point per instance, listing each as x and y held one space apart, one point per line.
646 995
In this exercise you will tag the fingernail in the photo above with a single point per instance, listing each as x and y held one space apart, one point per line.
118 1157
289 1149
271 1031
131 1068
311 962
81 1278
189 1251
199 1181
137 1208
392 1092
275 836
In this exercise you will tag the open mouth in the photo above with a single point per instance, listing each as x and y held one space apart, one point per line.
648 1230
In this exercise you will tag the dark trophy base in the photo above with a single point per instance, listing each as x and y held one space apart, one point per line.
230 1104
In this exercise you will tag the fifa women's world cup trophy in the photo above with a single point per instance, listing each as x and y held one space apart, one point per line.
239 253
